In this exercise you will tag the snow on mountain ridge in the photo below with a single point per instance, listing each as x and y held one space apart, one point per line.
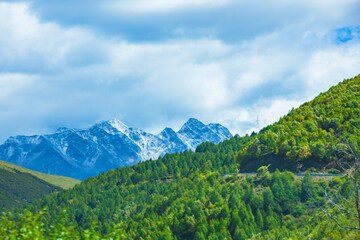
118 125
80 153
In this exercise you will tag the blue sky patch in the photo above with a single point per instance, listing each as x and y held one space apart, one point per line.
348 33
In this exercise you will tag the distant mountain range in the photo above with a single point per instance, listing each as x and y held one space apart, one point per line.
80 153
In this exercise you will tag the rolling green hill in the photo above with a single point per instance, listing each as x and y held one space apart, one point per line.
59 181
19 185
199 195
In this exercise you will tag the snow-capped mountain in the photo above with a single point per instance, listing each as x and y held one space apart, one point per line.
106 145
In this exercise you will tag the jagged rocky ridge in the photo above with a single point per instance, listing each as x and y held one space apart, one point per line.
106 145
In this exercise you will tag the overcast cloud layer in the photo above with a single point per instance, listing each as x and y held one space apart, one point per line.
155 63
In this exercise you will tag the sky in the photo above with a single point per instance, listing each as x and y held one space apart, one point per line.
155 63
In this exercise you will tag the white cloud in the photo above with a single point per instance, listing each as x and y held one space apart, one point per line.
12 84
155 6
271 111
28 45
246 119
52 75
328 66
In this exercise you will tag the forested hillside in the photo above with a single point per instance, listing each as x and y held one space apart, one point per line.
202 205
20 185
199 195
307 136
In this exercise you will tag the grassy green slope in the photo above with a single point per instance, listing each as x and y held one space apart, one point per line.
307 137
59 181
19 185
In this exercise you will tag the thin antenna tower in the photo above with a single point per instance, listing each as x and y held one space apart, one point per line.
257 122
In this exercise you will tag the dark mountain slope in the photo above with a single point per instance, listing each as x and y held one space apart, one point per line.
19 185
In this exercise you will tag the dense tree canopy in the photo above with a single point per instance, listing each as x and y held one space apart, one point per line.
203 205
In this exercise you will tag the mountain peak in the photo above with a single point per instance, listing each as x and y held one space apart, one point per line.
117 124
167 133
112 124
61 129
194 132
168 130
192 123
